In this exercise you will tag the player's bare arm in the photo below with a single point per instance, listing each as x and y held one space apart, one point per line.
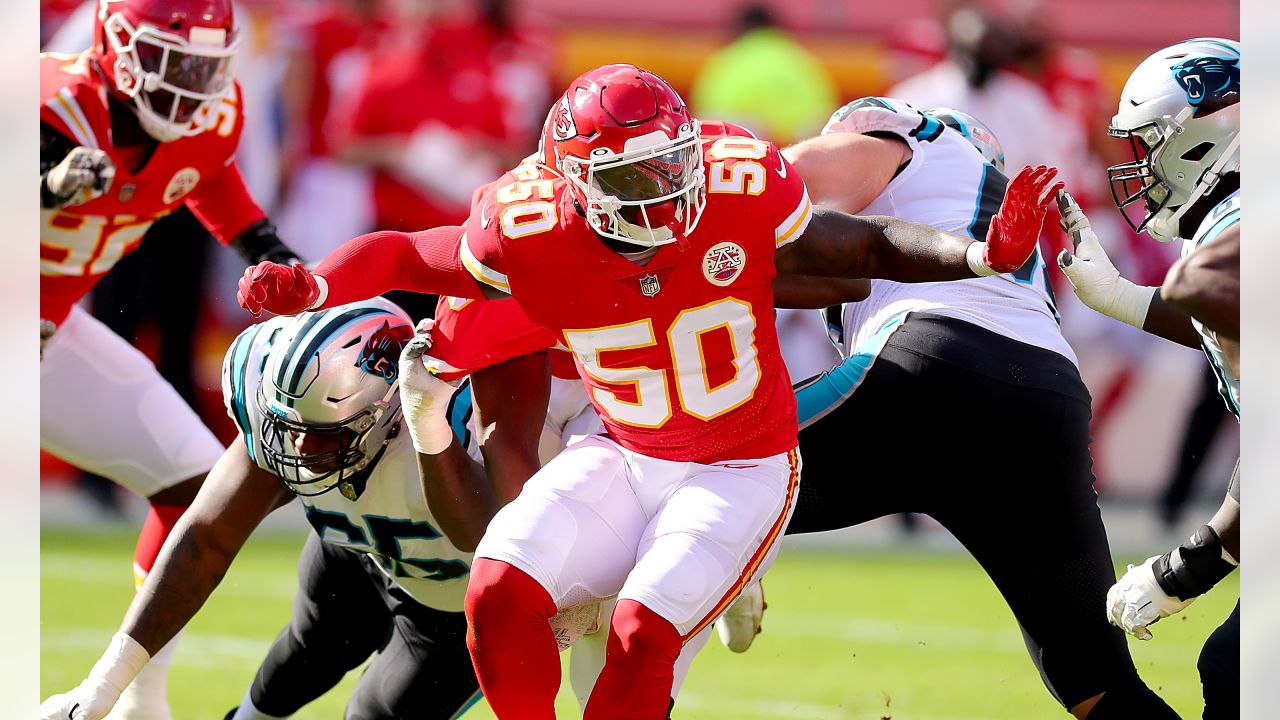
1099 285
234 499
846 171
1206 284
510 406
232 502
839 244
811 291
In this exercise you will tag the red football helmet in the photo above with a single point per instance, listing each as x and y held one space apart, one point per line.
632 155
172 57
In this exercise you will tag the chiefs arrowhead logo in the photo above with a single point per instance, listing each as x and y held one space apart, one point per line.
562 125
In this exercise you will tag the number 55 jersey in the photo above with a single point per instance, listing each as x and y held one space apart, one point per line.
383 514
679 354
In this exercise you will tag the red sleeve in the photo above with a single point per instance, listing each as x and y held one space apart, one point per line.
471 335
224 206
785 204
425 262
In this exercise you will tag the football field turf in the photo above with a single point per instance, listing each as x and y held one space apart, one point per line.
858 634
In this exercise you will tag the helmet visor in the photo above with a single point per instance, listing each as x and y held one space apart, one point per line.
654 178
188 72
650 191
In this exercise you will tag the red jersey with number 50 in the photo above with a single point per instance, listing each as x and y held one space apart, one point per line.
679 355
80 243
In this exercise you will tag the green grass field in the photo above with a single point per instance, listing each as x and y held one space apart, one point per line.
854 635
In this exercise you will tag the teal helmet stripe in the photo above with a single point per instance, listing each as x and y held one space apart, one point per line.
239 372
311 321
329 324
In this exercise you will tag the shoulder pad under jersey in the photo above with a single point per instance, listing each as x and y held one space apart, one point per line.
1224 215
877 114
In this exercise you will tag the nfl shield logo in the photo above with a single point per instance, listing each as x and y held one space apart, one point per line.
649 285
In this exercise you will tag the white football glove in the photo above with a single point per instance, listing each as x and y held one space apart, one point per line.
1096 281
94 698
1137 601
84 174
740 624
424 397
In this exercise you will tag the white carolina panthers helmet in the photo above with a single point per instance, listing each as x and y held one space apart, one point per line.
1180 112
332 372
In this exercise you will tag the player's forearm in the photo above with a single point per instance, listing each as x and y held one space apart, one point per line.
841 245
458 495
189 568
1170 323
427 262
809 292
1208 294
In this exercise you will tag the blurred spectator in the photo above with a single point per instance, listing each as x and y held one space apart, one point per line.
53 15
765 81
329 47
445 110
981 77
914 46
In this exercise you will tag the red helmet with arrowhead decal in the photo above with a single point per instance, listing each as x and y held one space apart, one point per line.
172 57
632 155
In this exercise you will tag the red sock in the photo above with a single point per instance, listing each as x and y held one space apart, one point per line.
639 665
512 647
159 522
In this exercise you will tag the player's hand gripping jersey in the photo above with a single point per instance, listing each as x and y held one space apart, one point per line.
385 514
680 354
81 242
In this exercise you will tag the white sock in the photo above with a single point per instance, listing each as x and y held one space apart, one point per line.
247 711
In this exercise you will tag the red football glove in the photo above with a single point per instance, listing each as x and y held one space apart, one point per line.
277 289
1015 229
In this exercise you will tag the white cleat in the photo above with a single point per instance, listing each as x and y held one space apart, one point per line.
740 624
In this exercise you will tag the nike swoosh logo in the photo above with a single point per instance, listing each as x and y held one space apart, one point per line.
782 169
486 218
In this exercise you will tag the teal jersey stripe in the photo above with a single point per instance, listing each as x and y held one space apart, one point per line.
819 397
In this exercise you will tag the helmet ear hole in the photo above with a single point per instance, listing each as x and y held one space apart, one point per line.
1198 152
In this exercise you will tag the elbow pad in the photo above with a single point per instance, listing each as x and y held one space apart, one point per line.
1194 567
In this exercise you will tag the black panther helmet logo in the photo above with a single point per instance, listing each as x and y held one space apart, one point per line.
1211 83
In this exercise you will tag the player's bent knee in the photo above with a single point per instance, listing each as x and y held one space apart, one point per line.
502 595
643 633
1129 701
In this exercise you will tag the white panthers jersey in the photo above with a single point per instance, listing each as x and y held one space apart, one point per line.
389 520
1224 215
946 184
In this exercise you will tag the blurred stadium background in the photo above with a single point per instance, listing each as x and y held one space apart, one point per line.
890 619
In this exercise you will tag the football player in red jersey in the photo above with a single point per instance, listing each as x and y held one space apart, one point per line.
144 121
648 243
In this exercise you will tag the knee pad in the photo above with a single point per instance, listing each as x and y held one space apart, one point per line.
1129 701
